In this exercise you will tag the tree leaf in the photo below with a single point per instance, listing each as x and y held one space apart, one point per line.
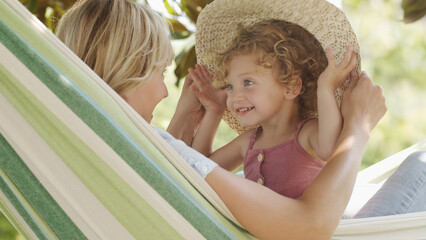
41 7
413 10
170 9
184 60
178 30
192 8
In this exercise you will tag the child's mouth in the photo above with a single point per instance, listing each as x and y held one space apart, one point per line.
245 109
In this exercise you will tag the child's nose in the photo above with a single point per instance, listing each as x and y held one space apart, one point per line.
235 95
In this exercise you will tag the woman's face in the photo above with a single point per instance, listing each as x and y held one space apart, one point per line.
145 97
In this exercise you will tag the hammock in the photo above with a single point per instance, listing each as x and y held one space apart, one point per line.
76 162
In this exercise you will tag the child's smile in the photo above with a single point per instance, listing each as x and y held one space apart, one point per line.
244 110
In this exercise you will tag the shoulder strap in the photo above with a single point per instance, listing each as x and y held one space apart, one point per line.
253 137
300 125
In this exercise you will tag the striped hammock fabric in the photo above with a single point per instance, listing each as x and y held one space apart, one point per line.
76 162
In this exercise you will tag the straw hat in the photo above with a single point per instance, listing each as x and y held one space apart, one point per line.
218 22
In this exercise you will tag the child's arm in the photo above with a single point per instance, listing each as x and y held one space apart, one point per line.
329 116
214 102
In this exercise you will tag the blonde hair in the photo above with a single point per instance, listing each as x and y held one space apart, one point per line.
122 41
289 49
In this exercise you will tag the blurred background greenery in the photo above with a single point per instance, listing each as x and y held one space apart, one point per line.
392 38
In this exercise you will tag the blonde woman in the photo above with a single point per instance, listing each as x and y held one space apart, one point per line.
128 46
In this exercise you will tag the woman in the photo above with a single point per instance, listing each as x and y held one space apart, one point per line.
128 46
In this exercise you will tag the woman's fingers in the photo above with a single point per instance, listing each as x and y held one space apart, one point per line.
353 79
380 107
188 81
365 101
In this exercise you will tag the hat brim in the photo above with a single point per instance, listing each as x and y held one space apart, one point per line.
218 25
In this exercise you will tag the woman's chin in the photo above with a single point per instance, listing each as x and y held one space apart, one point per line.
149 119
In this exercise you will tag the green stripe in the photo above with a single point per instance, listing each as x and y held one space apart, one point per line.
39 42
134 213
125 147
27 184
4 207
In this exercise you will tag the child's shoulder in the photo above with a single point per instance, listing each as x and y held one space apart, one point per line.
243 140
310 124
308 129
307 125
245 136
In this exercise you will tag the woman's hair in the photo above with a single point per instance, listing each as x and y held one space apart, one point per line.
122 41
288 49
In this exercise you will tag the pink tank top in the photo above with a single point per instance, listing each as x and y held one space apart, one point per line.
285 168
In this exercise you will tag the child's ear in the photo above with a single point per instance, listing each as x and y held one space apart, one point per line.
293 89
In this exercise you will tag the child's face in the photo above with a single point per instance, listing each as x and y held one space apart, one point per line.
254 95
145 97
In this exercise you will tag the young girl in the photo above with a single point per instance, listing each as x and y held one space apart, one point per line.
128 46
271 74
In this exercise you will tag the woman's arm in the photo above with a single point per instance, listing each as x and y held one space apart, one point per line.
231 156
327 130
316 214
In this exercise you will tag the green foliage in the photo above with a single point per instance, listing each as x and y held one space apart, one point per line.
48 11
183 13
394 54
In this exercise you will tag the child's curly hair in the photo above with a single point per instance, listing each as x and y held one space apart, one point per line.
289 49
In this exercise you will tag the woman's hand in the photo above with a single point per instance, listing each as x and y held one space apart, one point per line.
213 99
363 102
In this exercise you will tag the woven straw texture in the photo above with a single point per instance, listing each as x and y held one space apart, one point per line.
217 27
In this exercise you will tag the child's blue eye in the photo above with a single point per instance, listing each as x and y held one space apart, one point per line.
248 82
229 87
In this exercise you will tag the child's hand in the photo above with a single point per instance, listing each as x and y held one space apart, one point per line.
188 103
211 98
335 74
